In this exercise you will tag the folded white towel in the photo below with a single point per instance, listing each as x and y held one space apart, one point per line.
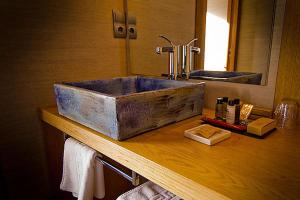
82 174
148 191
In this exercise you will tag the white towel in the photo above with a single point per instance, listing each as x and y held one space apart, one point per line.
82 174
148 191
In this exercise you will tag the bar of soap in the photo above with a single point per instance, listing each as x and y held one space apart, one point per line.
205 130
207 134
261 126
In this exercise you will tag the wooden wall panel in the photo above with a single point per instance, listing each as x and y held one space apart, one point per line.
42 42
288 78
174 19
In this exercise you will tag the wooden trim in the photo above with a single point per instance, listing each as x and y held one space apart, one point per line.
195 171
232 18
200 25
120 152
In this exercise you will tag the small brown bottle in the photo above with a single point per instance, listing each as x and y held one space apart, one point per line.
237 111
224 105
230 116
219 109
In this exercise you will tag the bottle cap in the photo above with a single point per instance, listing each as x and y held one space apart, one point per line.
231 102
225 99
219 100
236 101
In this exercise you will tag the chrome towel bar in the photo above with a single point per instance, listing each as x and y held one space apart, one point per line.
134 178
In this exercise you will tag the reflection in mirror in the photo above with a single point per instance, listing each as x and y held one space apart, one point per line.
235 37
238 36
216 35
173 19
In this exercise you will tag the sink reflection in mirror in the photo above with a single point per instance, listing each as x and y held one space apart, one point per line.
234 77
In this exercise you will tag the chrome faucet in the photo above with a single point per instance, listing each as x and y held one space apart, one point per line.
180 58
173 55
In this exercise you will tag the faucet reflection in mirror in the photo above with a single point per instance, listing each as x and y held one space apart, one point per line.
180 58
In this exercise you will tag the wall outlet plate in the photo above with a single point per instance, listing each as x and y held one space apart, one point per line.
119 27
131 31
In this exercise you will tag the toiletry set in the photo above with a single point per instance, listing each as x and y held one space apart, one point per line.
231 115
227 115
228 110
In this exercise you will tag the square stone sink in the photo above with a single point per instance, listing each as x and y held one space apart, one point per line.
124 107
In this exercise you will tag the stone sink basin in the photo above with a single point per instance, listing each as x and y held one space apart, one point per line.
124 107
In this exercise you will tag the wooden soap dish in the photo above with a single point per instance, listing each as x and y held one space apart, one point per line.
209 139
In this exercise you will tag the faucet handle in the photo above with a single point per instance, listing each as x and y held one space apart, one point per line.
170 49
195 49
160 50
192 48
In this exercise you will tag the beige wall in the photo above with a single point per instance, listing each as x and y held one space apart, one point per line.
42 42
288 78
174 19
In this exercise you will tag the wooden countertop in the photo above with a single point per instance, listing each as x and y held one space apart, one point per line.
238 168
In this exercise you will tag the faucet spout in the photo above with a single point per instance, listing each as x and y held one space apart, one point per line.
190 42
164 37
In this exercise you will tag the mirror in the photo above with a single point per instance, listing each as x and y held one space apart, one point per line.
235 37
